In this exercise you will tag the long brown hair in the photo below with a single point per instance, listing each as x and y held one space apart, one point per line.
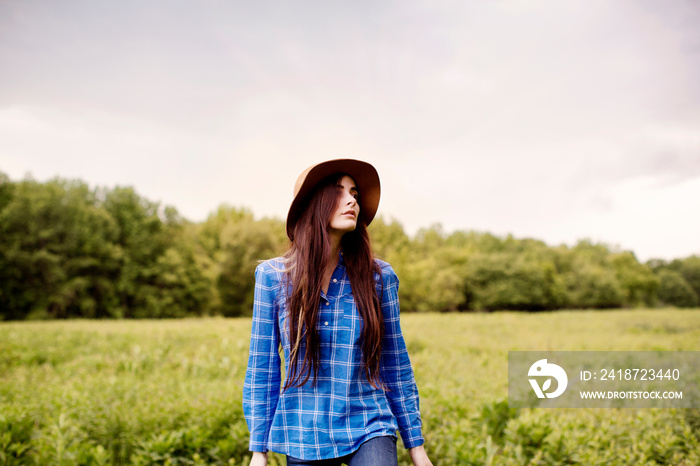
307 258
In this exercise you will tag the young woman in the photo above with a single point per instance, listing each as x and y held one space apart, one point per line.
334 309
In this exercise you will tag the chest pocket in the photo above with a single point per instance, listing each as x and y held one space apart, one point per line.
351 317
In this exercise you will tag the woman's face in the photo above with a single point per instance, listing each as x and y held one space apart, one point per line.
344 218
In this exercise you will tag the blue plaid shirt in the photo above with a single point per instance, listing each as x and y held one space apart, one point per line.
334 417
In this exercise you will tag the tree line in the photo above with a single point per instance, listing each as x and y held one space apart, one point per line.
68 250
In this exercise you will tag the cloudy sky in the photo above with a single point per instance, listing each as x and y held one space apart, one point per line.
557 120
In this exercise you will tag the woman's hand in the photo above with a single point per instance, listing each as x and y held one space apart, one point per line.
419 456
259 459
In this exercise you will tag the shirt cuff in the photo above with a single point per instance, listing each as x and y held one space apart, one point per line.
257 445
412 438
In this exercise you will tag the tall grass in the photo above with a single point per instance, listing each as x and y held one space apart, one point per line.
169 392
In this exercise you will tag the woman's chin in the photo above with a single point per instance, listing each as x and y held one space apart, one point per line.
346 227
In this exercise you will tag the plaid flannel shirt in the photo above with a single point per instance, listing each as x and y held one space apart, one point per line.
335 416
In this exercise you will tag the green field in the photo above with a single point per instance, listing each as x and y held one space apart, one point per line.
169 392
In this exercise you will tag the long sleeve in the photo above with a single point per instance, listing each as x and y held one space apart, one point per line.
396 366
261 389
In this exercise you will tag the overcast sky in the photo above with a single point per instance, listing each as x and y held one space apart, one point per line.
557 120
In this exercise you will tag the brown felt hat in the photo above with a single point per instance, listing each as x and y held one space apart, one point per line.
366 179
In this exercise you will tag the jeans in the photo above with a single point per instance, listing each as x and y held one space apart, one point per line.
377 451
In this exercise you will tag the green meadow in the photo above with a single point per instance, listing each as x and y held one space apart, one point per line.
169 391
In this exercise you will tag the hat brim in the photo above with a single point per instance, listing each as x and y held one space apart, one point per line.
364 174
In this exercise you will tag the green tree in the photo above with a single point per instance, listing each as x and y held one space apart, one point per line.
158 274
430 271
590 277
638 282
430 284
514 281
244 245
181 284
235 243
592 286
6 189
141 242
389 240
690 269
675 290
57 256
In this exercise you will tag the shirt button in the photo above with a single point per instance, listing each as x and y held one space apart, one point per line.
327 303
325 323
335 280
